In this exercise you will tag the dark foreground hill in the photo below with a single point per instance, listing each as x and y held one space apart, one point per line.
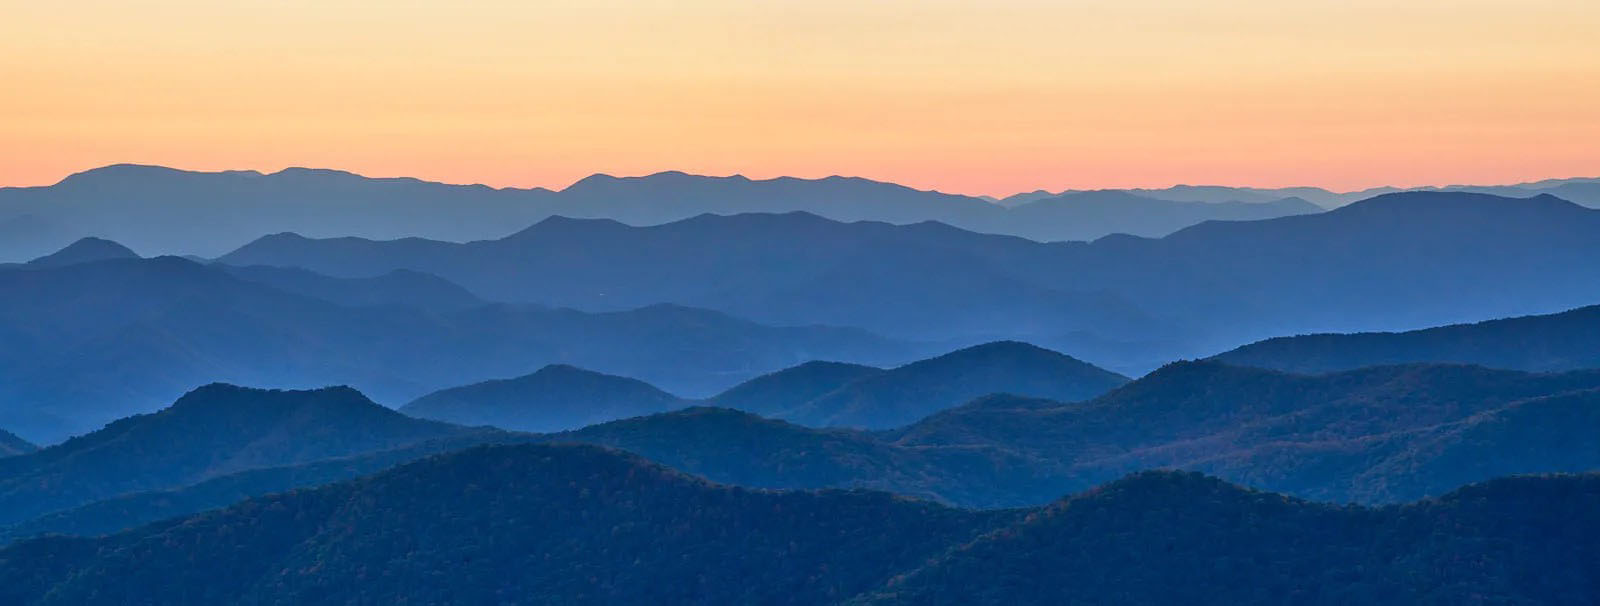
1563 341
212 431
557 397
544 524
1173 538
578 524
895 397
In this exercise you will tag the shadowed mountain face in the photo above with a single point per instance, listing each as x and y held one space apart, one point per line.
902 395
97 341
1377 435
555 398
1166 538
557 524
1564 341
1374 435
1398 261
739 448
579 524
165 211
211 431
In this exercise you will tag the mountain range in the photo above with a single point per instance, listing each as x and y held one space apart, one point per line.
1373 435
211 431
162 210
579 524
1583 190
166 211
819 394
1394 262
721 390
101 340
896 397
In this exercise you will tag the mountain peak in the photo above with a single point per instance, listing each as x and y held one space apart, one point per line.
229 395
86 250
554 398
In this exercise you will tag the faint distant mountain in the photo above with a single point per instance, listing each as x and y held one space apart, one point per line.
555 398
97 341
398 287
211 431
161 210
673 196
11 445
1157 538
1564 341
547 524
925 281
902 395
1015 200
86 250
166 211
1394 262
1090 215
26 236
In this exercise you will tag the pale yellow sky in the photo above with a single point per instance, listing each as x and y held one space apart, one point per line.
972 97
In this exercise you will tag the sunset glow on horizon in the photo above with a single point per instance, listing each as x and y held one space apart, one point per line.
976 98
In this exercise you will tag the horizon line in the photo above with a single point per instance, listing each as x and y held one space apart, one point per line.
288 168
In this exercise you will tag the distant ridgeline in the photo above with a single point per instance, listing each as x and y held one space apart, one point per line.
1394 262
160 210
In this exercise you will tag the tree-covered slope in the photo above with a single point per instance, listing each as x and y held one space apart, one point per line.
1181 538
214 430
577 524
518 524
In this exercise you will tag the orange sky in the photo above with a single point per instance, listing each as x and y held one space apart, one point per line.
972 97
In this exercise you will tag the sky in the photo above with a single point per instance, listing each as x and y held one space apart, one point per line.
988 97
